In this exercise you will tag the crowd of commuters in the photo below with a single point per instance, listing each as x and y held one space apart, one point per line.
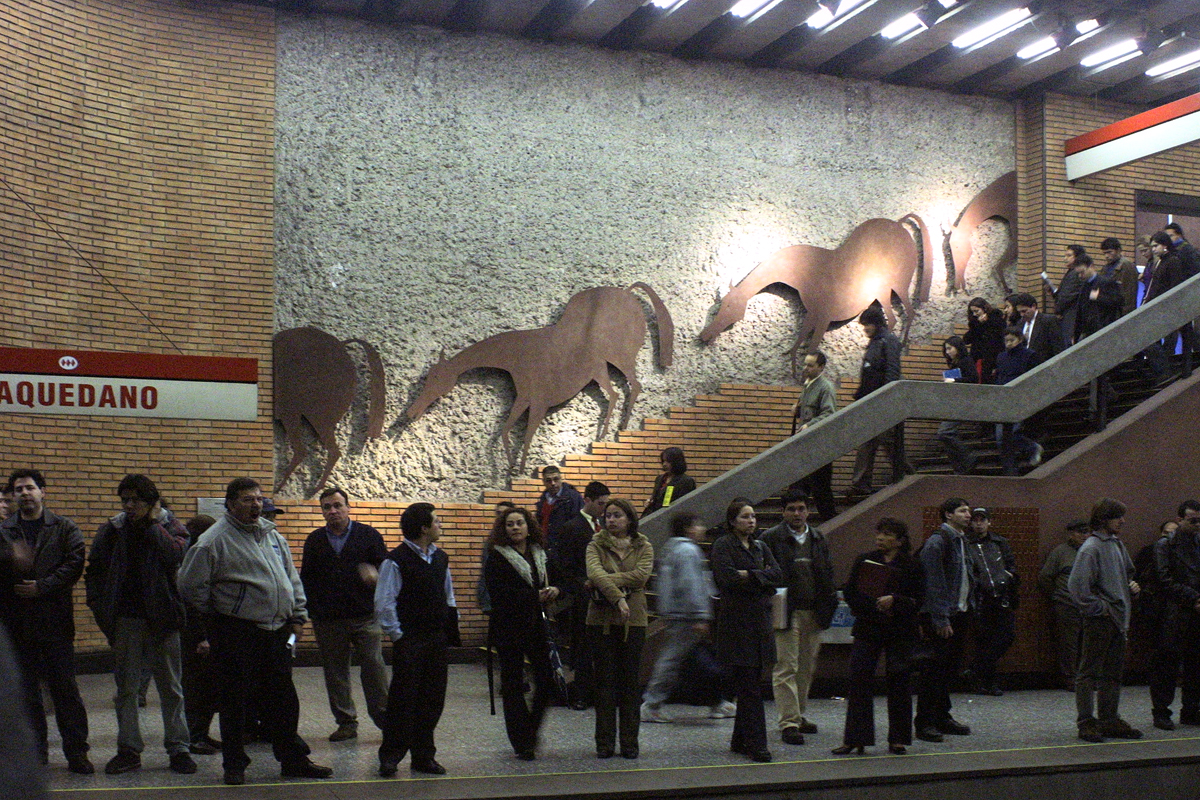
229 589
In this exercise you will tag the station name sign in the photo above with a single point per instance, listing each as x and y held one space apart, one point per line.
106 383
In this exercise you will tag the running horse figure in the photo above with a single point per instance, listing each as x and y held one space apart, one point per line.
549 366
997 201
315 380
878 259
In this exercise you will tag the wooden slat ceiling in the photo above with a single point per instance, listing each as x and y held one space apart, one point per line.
778 36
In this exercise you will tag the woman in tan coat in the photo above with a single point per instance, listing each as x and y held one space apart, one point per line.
619 560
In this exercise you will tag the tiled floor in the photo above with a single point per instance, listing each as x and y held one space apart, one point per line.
472 744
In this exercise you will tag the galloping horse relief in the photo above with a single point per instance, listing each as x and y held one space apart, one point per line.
997 201
315 380
550 365
877 260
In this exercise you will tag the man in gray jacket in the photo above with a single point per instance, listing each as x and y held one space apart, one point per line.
240 578
685 593
817 401
1102 585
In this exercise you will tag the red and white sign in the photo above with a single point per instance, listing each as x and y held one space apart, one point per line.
1145 134
34 381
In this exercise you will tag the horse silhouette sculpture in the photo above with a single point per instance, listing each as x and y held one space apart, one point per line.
878 259
997 201
315 380
549 366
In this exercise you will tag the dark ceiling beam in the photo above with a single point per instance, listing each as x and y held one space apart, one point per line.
465 16
1188 28
923 67
626 34
977 82
704 40
552 17
791 42
863 50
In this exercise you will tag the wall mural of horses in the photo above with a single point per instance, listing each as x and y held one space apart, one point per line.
877 260
997 201
599 327
315 381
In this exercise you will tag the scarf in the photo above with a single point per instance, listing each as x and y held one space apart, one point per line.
521 565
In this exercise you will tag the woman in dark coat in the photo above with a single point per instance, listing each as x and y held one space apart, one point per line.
985 337
746 575
673 484
962 459
884 591
518 582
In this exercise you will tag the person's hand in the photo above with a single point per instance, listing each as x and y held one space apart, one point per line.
22 556
26 589
548 595
884 603
1094 295
803 428
203 648
1134 588
368 573
743 575
623 607
945 631
298 629
702 627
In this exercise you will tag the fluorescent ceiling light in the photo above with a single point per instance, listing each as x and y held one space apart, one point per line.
1087 26
1116 61
994 29
905 24
1110 53
1039 48
947 3
1189 60
823 15
745 8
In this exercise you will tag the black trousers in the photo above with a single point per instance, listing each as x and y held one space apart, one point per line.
993 630
254 663
579 652
1176 659
938 671
750 724
860 697
52 661
416 697
523 718
617 659
201 690
819 486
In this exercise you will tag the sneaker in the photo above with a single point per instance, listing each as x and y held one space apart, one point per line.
183 764
1089 731
304 769
124 761
344 732
654 714
1119 729
726 709
80 765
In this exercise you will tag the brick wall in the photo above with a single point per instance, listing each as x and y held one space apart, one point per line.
1056 212
141 132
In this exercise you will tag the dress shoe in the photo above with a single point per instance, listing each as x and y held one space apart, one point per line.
847 749
1164 723
80 765
792 735
429 767
928 733
605 752
235 777
183 764
124 761
580 705
304 769
953 726
629 752
388 768
807 727
761 756
526 755
344 732
1189 718
204 749
1119 729
897 749
1089 731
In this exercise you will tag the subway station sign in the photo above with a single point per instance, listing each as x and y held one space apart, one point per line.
105 383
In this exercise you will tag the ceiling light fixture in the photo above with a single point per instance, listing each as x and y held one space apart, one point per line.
746 8
1042 47
829 10
993 29
1087 26
1183 63
1110 54
906 24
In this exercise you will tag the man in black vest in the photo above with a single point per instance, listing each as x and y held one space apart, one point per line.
415 605
339 567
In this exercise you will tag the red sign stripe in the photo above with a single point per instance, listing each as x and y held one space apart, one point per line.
108 364
1138 122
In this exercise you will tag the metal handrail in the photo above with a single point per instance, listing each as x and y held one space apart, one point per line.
777 467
